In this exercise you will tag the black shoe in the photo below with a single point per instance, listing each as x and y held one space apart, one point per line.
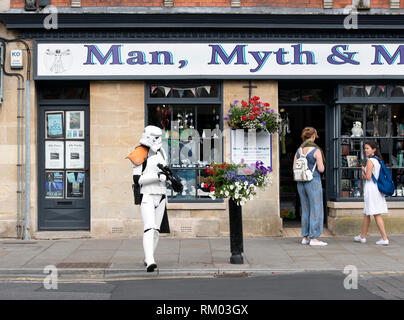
151 267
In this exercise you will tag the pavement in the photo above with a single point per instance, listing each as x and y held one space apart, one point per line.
197 257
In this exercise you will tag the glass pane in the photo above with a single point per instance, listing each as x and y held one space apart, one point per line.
353 91
352 152
184 91
351 118
289 95
54 125
202 178
397 160
398 91
351 183
75 124
398 178
375 90
376 120
55 91
54 184
75 184
159 115
397 115
188 180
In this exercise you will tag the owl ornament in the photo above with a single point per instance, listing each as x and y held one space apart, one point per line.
357 130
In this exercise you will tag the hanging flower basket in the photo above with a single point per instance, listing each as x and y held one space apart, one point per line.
253 114
240 182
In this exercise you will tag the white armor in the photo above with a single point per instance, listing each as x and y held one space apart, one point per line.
153 189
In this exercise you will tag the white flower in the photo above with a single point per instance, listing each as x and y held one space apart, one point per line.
226 193
242 203
231 187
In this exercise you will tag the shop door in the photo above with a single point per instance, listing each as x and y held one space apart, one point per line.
63 166
298 117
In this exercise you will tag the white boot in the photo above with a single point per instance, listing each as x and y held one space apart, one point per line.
148 247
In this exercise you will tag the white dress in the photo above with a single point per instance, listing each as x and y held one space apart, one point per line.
375 202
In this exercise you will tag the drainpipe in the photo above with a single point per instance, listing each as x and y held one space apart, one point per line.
27 235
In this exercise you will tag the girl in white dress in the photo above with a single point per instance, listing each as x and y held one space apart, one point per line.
375 202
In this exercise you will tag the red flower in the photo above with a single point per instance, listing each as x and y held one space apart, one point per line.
243 118
205 185
244 103
266 104
212 189
255 98
251 117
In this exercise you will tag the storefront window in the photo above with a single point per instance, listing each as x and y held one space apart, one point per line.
190 117
363 121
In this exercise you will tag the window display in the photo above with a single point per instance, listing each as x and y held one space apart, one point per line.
191 131
381 122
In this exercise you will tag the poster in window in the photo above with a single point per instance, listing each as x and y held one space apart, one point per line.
75 125
54 184
75 154
250 146
54 128
54 154
75 184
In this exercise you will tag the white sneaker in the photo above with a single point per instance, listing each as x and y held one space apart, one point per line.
360 239
305 241
383 242
318 243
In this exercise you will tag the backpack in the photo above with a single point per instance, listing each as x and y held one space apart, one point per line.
301 171
385 182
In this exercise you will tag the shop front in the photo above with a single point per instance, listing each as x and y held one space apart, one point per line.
95 91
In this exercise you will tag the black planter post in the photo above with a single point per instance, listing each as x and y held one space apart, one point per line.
236 233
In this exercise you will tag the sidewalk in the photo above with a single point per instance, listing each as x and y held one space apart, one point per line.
120 258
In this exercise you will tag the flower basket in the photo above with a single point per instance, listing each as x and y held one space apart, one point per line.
253 114
239 182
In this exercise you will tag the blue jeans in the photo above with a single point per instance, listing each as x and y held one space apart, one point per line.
311 199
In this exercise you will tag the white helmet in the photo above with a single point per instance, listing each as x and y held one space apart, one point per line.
151 137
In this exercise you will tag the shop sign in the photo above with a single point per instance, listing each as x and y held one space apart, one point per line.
218 60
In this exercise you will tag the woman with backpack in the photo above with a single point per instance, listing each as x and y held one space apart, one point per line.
311 192
375 201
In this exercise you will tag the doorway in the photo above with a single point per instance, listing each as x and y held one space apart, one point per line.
63 156
296 118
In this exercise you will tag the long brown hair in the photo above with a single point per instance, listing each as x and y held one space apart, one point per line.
375 145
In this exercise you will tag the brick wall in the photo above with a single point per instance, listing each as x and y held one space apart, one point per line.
211 3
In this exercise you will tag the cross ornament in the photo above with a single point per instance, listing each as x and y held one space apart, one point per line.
250 87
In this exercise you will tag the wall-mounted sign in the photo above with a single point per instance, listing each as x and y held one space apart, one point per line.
250 146
16 59
218 60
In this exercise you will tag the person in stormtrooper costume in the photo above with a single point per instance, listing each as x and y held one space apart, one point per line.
153 189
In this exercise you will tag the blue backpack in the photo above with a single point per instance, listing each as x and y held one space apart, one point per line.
385 182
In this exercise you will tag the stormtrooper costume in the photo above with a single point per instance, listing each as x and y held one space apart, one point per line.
153 189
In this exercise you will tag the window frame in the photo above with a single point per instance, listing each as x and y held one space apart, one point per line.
187 101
